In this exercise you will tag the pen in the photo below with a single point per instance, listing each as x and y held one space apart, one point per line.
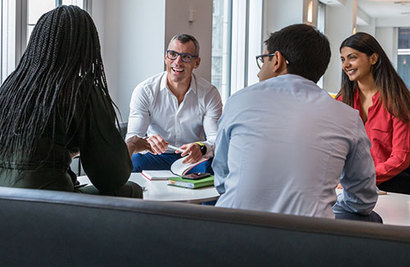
176 148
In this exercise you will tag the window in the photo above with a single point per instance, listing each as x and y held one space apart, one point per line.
221 46
403 55
36 8
17 20
1 41
321 19
236 40
7 47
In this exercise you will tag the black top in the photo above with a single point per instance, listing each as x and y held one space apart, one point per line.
104 154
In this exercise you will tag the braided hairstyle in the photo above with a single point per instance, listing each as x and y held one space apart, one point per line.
60 67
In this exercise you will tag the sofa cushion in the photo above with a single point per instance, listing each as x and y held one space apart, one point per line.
42 227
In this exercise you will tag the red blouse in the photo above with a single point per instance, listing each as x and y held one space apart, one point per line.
390 139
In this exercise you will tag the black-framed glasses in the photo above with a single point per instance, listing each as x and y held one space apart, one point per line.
185 57
259 59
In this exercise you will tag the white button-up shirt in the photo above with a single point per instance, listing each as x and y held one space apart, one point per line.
154 109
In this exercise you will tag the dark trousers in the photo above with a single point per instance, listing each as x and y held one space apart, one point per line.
372 217
163 161
398 184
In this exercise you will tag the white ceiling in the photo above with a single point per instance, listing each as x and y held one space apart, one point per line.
385 8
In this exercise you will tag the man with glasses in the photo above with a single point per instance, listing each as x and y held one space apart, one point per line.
283 144
175 109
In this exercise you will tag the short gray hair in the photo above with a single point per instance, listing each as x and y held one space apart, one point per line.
185 38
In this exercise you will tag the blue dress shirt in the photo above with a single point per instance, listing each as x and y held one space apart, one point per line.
284 144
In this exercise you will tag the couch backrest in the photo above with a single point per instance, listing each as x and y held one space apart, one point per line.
41 228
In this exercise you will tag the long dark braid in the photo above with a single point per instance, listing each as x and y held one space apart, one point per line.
60 67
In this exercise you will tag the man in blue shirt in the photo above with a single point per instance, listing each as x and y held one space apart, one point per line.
284 144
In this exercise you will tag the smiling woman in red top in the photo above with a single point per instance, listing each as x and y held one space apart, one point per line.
371 85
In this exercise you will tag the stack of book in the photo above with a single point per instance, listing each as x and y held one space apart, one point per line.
158 175
178 176
189 183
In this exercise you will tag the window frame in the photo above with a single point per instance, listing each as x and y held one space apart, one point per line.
13 32
402 52
244 42
224 86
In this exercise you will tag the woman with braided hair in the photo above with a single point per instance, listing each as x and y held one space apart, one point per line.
57 102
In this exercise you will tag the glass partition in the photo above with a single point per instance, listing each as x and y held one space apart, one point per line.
403 54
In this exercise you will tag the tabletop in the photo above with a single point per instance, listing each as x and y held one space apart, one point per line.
394 208
159 190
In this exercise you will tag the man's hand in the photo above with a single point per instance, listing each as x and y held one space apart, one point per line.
137 144
193 151
157 144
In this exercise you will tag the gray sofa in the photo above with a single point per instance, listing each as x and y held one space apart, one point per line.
47 228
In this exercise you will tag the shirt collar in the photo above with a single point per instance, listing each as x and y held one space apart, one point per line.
164 82
375 97
192 86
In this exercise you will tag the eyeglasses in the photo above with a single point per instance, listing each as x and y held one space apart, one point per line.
185 57
259 59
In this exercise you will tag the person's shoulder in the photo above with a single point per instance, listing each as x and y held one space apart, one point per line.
244 96
203 84
151 84
251 90
339 104
152 81
346 117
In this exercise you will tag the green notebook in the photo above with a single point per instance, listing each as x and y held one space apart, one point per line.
189 183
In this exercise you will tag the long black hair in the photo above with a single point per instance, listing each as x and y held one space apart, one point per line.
60 67
393 92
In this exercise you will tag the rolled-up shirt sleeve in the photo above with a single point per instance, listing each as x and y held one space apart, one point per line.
140 117
358 178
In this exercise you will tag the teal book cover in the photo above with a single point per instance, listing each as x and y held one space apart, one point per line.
193 184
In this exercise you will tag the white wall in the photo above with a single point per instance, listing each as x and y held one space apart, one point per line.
135 33
338 26
278 14
368 23
387 37
132 35
396 22
177 17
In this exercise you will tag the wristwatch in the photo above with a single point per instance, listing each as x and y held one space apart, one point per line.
202 147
